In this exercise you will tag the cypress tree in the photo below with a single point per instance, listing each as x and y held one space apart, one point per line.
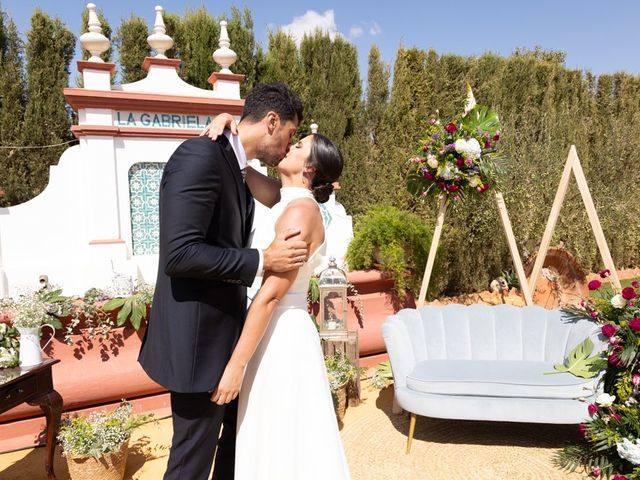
131 40
12 92
377 93
198 39
240 29
282 63
50 49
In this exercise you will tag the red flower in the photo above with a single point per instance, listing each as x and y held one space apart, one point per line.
614 359
635 284
427 175
487 144
604 273
496 137
628 293
616 416
596 471
609 330
451 127
620 477
442 186
592 408
635 324
594 314
595 284
582 429
459 162
453 188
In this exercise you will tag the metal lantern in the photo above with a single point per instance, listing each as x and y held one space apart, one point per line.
332 284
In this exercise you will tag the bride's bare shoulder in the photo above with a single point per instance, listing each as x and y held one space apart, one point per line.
302 213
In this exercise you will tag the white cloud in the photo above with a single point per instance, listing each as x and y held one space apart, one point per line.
375 29
355 31
310 22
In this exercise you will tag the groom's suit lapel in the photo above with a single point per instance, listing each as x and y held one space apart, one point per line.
232 163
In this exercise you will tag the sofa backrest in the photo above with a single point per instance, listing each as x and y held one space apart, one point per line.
489 332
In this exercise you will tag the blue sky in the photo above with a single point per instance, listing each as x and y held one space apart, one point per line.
599 36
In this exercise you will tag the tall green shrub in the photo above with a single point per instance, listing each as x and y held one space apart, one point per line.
131 40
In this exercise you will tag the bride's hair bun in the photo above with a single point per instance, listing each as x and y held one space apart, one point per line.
322 192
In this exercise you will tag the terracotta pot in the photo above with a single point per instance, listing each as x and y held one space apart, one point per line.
376 297
110 466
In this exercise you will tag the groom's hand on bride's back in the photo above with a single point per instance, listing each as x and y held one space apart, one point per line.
286 252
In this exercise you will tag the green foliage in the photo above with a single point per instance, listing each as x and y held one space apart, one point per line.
131 40
579 362
240 29
395 241
9 345
282 63
383 375
132 308
340 370
99 433
197 40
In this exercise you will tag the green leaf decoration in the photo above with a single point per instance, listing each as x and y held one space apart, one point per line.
125 311
113 304
578 362
414 184
481 118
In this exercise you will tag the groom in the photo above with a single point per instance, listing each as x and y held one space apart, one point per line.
204 268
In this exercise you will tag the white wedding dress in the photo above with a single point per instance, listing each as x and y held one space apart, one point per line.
287 428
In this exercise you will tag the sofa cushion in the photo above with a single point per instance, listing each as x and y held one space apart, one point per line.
495 378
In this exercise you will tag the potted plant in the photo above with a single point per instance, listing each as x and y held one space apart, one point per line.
8 346
340 372
393 241
29 313
96 446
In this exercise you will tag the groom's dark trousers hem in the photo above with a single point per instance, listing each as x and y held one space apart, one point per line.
196 434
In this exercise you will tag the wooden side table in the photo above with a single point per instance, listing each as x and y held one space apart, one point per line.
34 385
347 343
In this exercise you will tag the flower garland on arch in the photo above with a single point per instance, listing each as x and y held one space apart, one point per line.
458 158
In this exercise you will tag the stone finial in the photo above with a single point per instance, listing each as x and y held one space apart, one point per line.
224 56
93 40
159 40
314 128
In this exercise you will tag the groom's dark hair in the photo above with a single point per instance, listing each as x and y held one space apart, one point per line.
272 97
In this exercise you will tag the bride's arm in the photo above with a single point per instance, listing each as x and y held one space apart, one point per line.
274 288
265 189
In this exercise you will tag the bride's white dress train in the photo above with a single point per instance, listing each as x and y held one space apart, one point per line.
287 428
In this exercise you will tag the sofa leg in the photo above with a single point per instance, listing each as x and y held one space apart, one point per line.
412 427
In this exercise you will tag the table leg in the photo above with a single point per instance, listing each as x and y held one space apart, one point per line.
51 405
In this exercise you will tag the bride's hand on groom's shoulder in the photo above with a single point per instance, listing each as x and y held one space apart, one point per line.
219 124
229 385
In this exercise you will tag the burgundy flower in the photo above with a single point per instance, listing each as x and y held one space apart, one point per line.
592 408
453 188
635 284
427 175
459 162
442 186
582 429
450 127
620 477
628 293
634 324
609 330
484 188
616 416
604 273
614 359
487 144
635 379
496 137
595 284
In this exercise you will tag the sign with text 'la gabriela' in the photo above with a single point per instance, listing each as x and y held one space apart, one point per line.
161 120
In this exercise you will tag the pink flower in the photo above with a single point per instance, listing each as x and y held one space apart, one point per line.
450 127
596 471
432 121
609 330
620 477
592 408
628 293
594 314
594 284
635 379
604 273
616 416
614 359
583 303
614 341
635 324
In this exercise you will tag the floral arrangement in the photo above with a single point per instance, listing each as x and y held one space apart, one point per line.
611 445
340 370
98 433
8 346
91 310
459 157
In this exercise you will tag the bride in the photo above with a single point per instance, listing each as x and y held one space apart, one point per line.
287 428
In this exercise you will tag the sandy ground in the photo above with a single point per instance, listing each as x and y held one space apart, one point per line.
374 441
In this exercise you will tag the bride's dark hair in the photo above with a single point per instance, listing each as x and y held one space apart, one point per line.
327 161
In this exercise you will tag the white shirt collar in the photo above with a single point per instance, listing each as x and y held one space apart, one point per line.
237 148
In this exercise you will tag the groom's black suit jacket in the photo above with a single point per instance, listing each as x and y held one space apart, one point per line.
204 267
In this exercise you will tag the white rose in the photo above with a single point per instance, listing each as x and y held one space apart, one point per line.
473 149
618 301
629 450
461 145
605 400
432 161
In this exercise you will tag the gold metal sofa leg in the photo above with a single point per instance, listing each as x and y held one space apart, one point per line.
412 427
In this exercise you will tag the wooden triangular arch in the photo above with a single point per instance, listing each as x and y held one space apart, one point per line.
528 286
